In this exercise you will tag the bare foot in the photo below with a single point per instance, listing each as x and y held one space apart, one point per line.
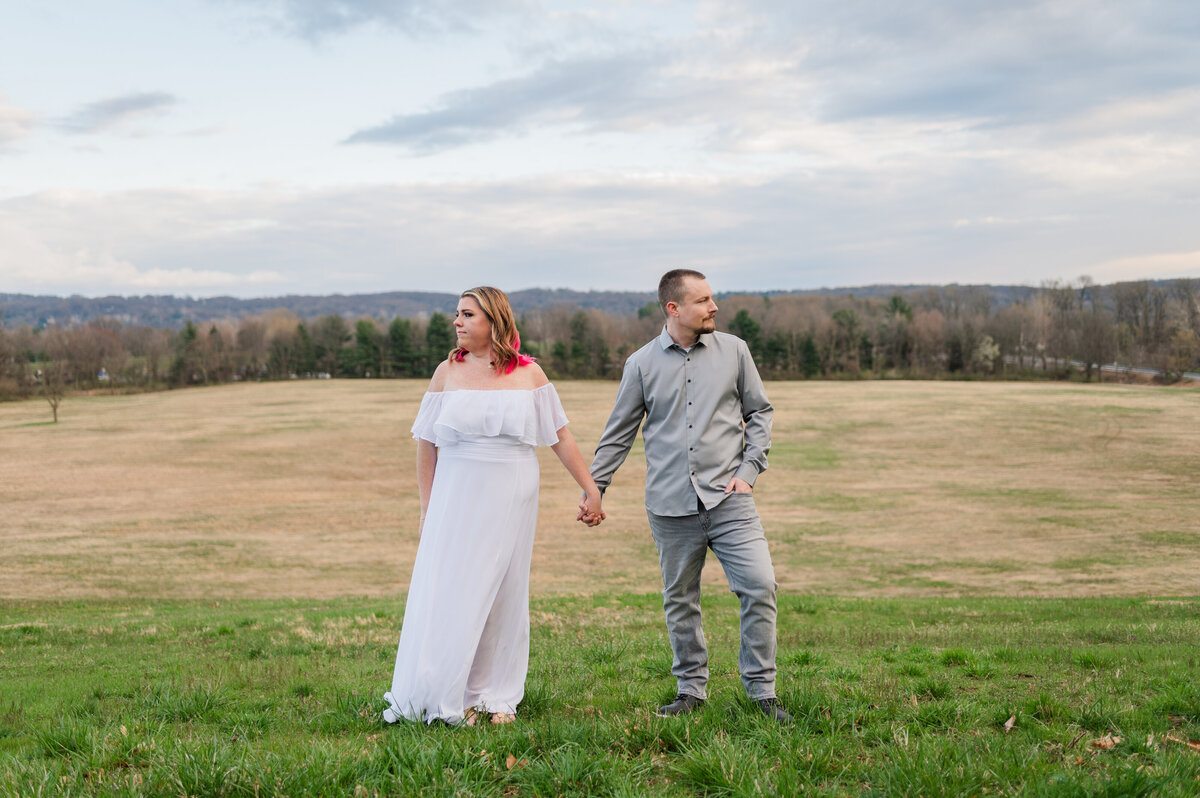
500 718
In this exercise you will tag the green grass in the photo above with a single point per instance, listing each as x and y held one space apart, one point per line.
892 697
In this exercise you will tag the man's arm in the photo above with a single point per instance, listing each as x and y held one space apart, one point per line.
621 430
756 415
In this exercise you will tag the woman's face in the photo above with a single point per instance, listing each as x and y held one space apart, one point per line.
472 326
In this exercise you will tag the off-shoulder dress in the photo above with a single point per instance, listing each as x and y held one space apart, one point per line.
465 638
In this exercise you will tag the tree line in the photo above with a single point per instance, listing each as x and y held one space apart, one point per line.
1061 330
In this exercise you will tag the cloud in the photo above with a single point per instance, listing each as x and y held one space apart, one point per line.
622 93
1148 266
116 111
760 77
314 20
15 123
1019 62
802 230
104 250
579 92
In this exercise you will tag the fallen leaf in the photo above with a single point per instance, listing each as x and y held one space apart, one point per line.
913 699
510 762
1106 742
1192 744
1008 724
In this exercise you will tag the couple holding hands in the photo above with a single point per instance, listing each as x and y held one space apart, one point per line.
706 423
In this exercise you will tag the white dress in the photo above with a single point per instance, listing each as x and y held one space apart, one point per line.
465 638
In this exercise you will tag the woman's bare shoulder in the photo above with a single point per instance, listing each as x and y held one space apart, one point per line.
537 377
438 382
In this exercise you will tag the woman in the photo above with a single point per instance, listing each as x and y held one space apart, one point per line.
464 644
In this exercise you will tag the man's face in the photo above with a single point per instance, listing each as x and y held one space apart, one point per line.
697 310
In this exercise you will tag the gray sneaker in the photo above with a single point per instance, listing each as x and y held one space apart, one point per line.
683 704
774 710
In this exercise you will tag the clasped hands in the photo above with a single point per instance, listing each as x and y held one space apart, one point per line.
590 512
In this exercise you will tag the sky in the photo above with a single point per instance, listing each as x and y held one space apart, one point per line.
266 147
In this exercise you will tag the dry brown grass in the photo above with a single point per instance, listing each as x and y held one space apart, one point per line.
306 489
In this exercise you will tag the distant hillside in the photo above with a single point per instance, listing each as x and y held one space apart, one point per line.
1002 295
172 311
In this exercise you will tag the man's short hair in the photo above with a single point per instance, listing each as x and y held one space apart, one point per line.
670 287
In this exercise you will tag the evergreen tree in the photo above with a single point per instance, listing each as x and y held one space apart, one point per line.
580 365
401 352
439 340
186 355
369 346
650 310
898 307
745 327
305 361
810 358
776 353
559 359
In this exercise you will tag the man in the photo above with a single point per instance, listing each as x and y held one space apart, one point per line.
707 431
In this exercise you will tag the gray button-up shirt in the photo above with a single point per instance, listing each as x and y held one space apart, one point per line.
707 420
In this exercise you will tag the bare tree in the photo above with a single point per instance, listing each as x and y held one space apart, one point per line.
330 335
55 368
147 346
10 368
216 351
251 347
929 340
1185 353
1094 339
1187 292
1010 329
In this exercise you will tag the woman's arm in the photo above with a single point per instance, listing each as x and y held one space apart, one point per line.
426 464
568 453
426 450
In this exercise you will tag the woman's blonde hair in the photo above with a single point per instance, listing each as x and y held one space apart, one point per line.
505 339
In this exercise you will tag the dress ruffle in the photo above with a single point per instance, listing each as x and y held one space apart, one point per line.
531 417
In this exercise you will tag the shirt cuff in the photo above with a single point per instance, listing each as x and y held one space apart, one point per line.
747 473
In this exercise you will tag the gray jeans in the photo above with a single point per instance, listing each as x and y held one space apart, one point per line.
735 534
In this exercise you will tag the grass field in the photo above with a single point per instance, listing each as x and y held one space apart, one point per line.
892 697
875 489
201 593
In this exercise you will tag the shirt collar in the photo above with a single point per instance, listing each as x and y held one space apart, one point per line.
666 341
